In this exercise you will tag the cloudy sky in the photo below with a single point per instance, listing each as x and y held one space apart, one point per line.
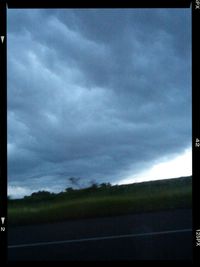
100 94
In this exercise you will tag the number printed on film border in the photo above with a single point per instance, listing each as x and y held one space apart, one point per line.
197 142
198 238
197 4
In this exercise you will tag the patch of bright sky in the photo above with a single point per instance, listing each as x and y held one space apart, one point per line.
177 167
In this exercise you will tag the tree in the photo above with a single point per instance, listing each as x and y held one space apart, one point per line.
69 190
94 184
75 181
40 195
105 185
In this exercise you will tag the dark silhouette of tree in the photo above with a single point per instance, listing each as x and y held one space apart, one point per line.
105 185
93 185
40 195
69 190
75 181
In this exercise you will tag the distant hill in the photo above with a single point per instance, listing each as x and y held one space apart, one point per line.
101 200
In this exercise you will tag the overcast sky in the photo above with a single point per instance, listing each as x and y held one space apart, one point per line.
100 94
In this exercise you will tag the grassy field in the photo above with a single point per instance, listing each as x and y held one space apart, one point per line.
104 200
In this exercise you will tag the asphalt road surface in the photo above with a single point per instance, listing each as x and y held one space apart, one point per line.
165 235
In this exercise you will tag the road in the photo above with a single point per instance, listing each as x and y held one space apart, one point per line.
165 235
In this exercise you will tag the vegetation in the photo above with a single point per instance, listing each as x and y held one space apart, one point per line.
101 200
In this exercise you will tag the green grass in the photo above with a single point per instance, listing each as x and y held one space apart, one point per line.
115 200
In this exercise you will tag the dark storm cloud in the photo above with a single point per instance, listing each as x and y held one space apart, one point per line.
94 93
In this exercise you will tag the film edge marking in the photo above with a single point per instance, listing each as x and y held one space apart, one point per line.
2 39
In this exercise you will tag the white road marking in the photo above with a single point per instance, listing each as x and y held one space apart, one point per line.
99 238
